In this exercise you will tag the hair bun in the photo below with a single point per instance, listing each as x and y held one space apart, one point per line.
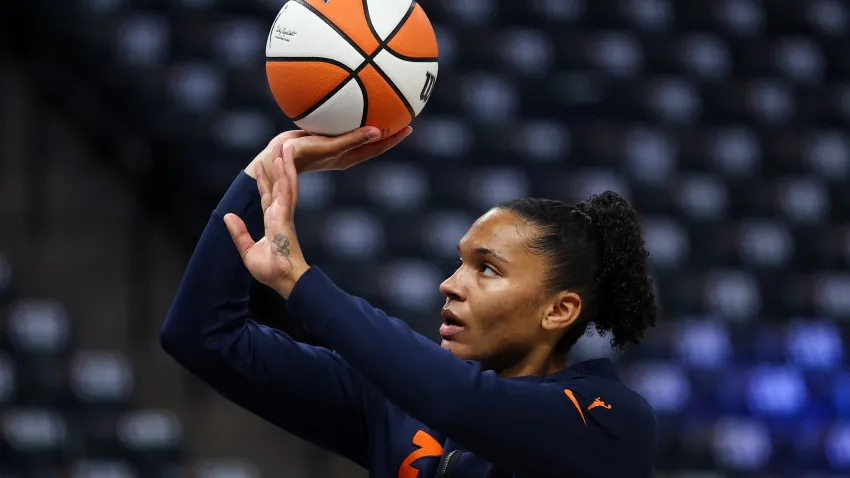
625 295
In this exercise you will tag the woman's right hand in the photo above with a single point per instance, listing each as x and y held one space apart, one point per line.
322 153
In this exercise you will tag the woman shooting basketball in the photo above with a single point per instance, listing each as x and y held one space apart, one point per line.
494 399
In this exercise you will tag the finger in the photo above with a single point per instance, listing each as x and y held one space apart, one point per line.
277 150
263 186
338 145
284 191
286 179
371 150
239 234
292 175
275 182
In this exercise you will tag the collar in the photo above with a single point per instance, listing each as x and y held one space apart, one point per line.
601 367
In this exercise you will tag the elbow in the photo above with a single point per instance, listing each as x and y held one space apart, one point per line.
186 341
168 340
181 347
175 340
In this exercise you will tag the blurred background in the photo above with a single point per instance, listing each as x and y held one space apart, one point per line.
122 122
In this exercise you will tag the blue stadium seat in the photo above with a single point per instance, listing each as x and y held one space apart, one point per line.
34 437
222 468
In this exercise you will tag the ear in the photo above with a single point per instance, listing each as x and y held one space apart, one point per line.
563 311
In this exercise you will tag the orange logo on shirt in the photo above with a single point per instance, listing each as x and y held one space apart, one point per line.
426 446
599 403
569 393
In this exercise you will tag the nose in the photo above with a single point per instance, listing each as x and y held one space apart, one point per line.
452 287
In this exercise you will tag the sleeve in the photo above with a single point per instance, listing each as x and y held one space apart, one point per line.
308 391
533 428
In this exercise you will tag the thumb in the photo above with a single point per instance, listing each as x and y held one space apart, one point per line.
239 233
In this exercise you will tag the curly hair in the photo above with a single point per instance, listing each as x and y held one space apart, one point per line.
596 249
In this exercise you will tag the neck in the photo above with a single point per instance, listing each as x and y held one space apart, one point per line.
536 363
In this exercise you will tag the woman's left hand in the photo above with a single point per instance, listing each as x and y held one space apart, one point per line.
275 260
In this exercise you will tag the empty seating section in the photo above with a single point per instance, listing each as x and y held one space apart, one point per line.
67 412
724 121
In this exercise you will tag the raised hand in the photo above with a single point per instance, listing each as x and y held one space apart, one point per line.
275 260
322 153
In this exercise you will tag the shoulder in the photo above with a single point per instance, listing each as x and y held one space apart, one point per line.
611 405
614 419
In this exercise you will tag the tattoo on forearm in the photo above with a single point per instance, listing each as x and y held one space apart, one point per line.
282 246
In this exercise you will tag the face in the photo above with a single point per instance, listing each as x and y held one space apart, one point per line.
496 312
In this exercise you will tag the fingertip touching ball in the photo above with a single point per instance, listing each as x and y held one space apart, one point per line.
336 65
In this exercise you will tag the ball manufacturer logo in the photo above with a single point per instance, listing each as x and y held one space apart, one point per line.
430 79
283 34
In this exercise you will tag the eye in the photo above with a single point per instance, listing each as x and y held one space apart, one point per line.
485 268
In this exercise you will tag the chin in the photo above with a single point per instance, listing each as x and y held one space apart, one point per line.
458 350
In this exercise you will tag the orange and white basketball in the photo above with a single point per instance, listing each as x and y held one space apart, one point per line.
337 65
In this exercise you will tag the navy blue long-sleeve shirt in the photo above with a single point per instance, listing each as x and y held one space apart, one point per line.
386 397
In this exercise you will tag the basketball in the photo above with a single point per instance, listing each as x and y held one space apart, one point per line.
336 65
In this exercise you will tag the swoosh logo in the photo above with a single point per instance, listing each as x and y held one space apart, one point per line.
572 398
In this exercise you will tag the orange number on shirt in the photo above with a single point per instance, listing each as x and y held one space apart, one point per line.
426 446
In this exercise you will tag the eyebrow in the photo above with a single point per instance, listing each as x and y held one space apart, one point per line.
484 251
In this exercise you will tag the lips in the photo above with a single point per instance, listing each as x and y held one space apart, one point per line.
451 324
447 330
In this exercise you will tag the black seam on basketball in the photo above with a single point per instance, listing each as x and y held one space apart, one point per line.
400 24
361 67
365 100
367 62
271 32
398 29
332 25
395 88
369 22
322 101
413 59
299 59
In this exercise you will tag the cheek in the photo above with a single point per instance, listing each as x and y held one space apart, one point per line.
504 331
506 319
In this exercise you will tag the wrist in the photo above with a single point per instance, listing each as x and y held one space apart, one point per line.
251 170
287 283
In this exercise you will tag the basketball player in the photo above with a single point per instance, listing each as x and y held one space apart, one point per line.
494 399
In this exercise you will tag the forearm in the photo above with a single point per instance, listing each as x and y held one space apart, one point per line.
308 391
213 293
